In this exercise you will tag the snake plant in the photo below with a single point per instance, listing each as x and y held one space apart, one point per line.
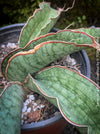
27 67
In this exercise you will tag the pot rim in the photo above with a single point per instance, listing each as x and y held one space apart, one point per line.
41 124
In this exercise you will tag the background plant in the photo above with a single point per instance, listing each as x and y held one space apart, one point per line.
19 11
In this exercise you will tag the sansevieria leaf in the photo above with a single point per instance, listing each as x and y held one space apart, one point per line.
6 59
95 32
40 23
33 60
74 95
79 39
11 101
75 36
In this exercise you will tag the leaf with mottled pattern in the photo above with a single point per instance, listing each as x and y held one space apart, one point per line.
11 101
40 23
33 60
73 93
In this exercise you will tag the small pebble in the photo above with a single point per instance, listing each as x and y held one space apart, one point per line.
3 46
35 109
22 116
26 122
38 107
42 106
24 104
73 62
31 97
29 110
35 104
24 109
70 61
11 45
27 102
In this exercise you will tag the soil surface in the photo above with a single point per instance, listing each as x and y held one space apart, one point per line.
37 108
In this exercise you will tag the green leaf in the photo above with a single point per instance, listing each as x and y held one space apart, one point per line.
77 97
11 101
83 17
23 63
63 35
78 37
40 23
6 59
95 32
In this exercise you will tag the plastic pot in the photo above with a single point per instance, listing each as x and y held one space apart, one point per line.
56 124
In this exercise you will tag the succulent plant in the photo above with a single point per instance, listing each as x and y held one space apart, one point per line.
27 68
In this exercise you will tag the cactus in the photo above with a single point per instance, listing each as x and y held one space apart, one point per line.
26 67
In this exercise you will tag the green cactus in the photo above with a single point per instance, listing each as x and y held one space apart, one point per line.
74 94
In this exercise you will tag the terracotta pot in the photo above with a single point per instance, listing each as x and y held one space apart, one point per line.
56 124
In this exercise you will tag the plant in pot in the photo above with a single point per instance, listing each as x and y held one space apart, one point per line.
76 96
51 121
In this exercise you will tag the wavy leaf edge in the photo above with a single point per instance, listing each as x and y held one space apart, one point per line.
35 12
1 67
37 47
58 66
23 52
60 31
8 85
13 83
